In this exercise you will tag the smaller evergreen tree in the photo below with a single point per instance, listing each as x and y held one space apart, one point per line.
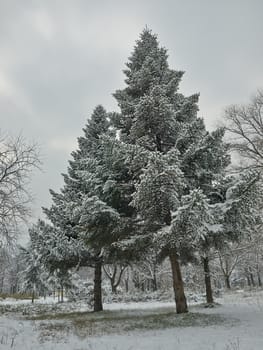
89 207
33 275
197 228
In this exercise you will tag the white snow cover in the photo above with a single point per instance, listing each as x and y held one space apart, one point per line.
243 330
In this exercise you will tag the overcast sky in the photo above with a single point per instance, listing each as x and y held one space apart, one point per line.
59 59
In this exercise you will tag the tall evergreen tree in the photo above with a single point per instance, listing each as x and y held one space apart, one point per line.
155 116
93 206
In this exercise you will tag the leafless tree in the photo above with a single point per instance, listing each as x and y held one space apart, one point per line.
114 273
245 124
228 259
17 160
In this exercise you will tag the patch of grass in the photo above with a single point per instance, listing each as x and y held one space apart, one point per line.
103 315
88 324
42 316
208 306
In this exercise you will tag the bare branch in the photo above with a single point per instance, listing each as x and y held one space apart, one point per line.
17 161
245 127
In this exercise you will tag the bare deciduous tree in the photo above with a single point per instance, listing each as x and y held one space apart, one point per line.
114 273
17 160
245 123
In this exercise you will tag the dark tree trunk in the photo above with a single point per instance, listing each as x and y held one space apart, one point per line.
33 297
154 283
248 280
178 285
1 284
97 287
259 279
136 280
227 281
113 288
126 281
252 279
208 285
62 295
158 143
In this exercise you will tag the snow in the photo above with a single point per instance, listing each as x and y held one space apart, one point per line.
241 330
138 305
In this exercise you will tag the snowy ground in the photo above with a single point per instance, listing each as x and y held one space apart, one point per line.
235 325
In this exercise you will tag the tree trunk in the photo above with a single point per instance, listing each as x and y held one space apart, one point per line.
208 286
113 288
126 281
248 280
1 284
97 287
259 279
227 281
62 294
114 279
154 283
178 285
33 296
252 279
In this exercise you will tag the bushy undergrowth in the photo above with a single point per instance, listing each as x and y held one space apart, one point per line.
43 309
139 296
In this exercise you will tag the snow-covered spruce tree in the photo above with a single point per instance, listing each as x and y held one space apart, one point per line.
202 164
56 250
157 117
240 197
33 275
50 255
233 212
199 224
242 206
86 209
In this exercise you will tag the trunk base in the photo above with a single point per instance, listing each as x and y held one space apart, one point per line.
209 305
97 288
178 285
208 285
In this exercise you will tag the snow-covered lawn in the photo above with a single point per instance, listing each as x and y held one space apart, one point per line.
235 325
